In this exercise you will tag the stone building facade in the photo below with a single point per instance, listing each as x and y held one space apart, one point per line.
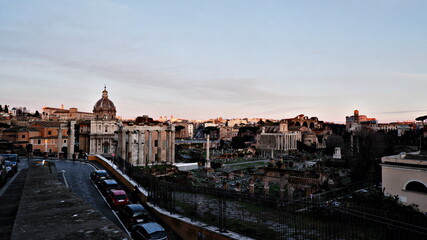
304 121
102 136
103 127
51 113
146 144
405 175
278 138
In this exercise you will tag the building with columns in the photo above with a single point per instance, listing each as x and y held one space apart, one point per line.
282 140
143 144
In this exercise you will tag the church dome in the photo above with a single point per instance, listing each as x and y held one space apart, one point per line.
104 108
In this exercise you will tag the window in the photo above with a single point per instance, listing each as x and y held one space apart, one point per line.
39 141
155 143
106 128
416 187
23 136
49 132
65 140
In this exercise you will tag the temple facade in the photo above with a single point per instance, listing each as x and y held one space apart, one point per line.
143 144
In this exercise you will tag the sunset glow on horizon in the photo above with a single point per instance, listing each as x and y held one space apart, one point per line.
210 59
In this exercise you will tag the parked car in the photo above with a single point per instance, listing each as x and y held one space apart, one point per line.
9 172
98 175
133 214
13 165
117 198
3 173
107 185
148 231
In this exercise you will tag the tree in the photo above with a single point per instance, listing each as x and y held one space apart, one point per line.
1 108
368 146
212 131
178 130
332 142
6 109
238 142
37 114
422 119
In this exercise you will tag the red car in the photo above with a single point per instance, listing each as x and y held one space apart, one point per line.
117 198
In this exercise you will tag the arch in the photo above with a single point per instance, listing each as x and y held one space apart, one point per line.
105 147
415 186
311 125
299 193
305 124
297 124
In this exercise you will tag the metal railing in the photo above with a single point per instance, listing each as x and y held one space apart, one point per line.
263 217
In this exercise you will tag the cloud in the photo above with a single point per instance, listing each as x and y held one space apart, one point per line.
404 111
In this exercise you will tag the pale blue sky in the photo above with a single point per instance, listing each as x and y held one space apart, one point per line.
204 59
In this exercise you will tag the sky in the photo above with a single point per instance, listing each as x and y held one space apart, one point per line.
206 59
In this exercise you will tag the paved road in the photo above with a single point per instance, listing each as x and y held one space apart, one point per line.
77 175
170 233
240 163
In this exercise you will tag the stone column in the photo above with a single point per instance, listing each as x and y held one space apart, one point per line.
291 190
93 145
168 147
251 186
71 139
159 145
208 161
266 187
140 149
123 144
59 140
90 145
129 154
282 185
150 147
173 146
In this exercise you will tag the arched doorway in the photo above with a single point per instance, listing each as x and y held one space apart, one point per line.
105 147
416 187
299 193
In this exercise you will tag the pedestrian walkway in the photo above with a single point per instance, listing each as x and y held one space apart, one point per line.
9 204
49 210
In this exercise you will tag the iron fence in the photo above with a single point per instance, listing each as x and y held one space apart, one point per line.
262 217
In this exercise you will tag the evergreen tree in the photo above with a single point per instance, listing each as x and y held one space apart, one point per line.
37 114
6 109
1 108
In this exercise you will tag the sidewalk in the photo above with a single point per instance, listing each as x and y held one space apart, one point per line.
49 210
9 204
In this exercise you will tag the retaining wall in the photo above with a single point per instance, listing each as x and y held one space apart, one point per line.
183 226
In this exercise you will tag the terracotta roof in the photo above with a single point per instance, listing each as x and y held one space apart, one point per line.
20 129
47 123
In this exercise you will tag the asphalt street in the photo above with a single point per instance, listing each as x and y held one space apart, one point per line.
77 175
